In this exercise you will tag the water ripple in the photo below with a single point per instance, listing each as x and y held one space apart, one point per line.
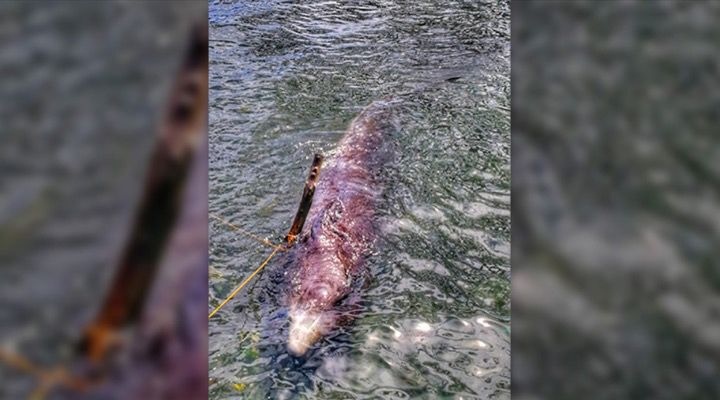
286 79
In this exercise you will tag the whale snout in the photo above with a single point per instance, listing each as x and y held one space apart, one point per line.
306 327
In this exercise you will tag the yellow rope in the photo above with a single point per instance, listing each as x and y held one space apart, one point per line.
19 362
246 233
245 282
48 378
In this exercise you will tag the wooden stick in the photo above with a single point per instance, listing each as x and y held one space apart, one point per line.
180 133
295 229
306 201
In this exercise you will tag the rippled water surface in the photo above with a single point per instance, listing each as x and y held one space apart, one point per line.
285 81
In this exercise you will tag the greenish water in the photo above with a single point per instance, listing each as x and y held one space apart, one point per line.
285 81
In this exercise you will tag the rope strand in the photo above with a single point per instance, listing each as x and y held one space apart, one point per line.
246 233
245 282
48 378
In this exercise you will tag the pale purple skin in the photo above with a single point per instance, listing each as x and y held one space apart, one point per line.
339 232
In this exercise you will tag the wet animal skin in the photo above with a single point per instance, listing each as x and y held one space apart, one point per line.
340 232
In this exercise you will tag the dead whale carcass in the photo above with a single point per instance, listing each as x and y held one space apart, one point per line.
341 231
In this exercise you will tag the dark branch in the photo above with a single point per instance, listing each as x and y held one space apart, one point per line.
306 200
180 132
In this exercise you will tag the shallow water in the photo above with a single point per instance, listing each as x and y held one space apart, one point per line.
285 81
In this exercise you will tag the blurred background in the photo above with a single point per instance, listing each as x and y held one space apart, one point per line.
84 88
616 281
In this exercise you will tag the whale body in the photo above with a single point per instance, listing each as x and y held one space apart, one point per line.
340 230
